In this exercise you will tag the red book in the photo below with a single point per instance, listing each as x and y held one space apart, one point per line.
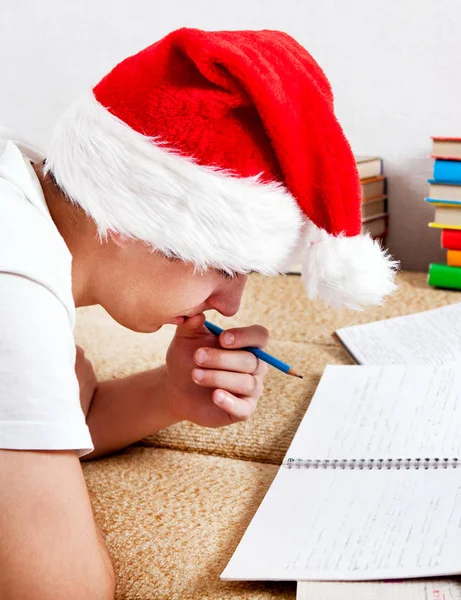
451 239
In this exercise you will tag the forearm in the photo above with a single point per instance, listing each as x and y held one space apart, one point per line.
126 410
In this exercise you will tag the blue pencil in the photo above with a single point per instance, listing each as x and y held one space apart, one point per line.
268 358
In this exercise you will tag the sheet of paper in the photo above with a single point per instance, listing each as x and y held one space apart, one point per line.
382 412
353 525
414 589
347 524
432 337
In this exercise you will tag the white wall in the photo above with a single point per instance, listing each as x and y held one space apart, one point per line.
395 68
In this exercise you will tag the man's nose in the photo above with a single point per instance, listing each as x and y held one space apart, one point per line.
227 298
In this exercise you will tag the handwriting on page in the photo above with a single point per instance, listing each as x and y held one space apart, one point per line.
413 589
375 525
354 525
365 524
382 412
430 337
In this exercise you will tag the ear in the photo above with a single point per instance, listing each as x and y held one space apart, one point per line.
119 239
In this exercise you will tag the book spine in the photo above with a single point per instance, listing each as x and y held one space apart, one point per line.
443 203
447 171
368 464
451 239
454 258
444 276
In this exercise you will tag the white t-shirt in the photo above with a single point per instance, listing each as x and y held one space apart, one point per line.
39 393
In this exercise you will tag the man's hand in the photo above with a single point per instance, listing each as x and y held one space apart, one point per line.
86 379
209 381
122 411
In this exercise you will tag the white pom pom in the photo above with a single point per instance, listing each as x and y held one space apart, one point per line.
353 272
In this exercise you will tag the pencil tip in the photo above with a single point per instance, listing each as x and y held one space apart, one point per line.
294 373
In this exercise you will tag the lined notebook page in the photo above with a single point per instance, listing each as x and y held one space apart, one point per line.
361 524
353 525
382 412
430 337
419 589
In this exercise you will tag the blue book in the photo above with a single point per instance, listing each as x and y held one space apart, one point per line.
439 201
447 171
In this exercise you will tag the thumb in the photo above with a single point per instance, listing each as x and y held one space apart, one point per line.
191 327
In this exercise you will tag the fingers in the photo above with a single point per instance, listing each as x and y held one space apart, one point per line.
238 409
246 380
215 358
255 336
191 327
236 383
237 376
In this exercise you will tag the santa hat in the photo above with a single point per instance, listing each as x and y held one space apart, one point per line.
222 148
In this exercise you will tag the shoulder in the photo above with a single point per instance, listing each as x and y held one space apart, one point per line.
36 331
30 244
39 391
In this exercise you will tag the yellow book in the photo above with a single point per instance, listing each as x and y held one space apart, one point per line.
448 214
454 258
444 226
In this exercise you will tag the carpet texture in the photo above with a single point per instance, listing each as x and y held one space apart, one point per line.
174 507
172 519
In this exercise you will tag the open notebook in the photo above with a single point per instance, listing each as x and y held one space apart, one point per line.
413 589
429 337
370 487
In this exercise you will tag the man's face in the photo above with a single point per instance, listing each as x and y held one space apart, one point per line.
143 290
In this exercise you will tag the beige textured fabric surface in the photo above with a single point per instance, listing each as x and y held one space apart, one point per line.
171 521
281 305
174 508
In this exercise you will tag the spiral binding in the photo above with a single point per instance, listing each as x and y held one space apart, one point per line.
372 463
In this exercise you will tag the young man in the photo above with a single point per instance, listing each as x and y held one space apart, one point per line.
205 157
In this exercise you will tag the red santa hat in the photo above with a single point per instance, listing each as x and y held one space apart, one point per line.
222 148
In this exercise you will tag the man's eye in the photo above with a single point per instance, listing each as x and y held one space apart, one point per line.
226 275
171 258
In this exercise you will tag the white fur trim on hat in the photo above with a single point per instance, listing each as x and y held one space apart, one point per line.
134 185
353 272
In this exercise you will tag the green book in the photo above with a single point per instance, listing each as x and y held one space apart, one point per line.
444 276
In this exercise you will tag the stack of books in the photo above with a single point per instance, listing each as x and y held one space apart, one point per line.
374 200
445 196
